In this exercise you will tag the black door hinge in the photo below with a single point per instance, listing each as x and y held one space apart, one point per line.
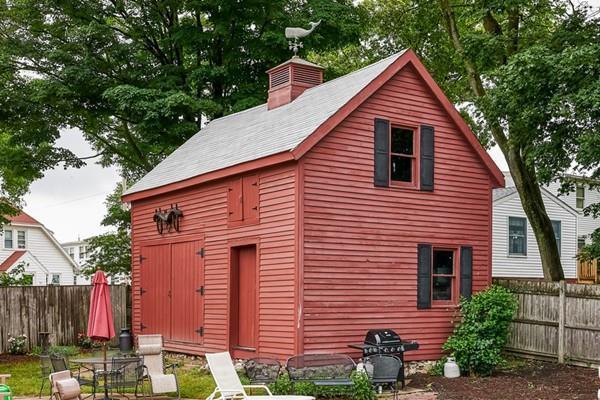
141 258
142 326
200 290
200 331
201 252
142 291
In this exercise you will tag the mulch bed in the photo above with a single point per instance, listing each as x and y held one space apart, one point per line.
533 381
14 359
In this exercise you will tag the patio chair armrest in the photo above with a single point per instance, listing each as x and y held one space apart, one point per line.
265 387
171 367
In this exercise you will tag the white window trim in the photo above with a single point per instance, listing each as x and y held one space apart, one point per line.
516 255
26 231
4 239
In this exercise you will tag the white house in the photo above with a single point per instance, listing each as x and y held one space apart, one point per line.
581 197
578 199
515 253
27 241
78 251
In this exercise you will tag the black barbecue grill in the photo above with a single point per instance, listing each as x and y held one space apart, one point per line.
386 342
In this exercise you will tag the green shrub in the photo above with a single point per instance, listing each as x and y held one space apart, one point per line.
361 386
437 369
282 386
478 341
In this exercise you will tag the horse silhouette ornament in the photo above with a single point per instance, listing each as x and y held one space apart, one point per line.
171 218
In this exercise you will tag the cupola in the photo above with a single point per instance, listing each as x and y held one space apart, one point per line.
288 80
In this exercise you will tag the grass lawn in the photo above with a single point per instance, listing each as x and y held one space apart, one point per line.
194 383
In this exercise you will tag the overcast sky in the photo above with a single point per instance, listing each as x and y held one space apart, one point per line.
71 202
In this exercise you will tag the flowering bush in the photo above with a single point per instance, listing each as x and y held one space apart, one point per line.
16 344
84 341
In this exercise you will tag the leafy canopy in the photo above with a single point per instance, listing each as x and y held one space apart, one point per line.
138 77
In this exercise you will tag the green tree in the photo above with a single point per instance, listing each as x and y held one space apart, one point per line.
530 72
138 77
111 251
16 277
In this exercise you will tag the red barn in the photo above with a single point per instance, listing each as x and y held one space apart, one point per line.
337 207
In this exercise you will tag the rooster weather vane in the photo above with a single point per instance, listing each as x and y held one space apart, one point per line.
295 34
169 217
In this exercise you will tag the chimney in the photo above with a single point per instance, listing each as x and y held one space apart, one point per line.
288 80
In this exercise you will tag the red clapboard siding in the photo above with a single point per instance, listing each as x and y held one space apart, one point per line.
206 218
360 242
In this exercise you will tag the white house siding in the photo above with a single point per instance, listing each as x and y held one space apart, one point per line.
530 266
45 251
585 225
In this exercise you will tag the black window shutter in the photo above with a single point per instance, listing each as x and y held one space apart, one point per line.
466 271
427 157
382 152
424 276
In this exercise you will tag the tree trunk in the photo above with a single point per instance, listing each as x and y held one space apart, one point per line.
533 205
525 178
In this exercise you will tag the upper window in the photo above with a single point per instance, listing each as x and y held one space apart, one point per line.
580 196
556 225
580 243
82 252
443 275
21 244
517 236
403 157
71 252
8 239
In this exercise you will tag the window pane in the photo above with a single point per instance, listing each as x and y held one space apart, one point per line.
401 168
55 279
21 239
580 197
443 262
8 239
442 288
516 236
557 233
402 141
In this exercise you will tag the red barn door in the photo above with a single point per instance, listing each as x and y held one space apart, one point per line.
243 300
187 305
155 290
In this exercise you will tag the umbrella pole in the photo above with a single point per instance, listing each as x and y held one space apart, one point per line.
105 372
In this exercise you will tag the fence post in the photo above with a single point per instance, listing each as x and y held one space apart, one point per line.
562 288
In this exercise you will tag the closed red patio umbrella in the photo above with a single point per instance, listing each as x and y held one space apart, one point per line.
100 323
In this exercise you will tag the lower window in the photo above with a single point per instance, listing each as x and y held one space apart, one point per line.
443 275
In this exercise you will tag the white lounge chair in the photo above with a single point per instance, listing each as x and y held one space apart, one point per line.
229 385
64 386
150 347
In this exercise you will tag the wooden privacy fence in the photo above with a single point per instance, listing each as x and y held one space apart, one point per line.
60 310
556 321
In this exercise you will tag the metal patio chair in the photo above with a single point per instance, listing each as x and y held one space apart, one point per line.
45 371
126 372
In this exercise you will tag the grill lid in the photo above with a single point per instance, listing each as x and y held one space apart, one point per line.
382 337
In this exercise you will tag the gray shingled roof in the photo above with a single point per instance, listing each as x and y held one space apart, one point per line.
259 132
503 192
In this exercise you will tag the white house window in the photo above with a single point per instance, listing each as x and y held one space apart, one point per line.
557 234
21 244
517 236
82 252
8 239
580 196
55 279
71 252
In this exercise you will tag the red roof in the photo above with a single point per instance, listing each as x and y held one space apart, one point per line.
6 264
24 218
